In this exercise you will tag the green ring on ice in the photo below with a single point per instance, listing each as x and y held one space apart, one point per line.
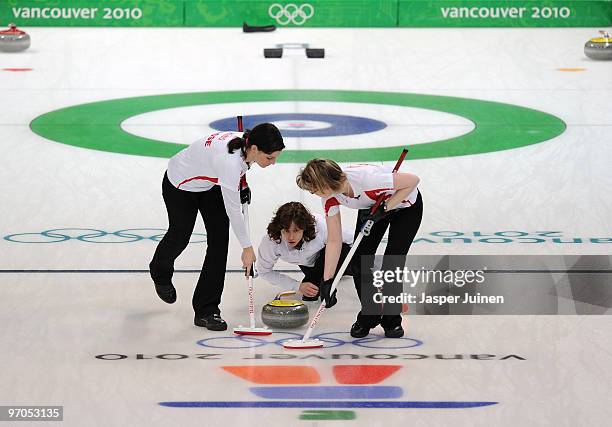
498 126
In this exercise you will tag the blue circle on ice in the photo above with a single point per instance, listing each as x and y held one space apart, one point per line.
302 125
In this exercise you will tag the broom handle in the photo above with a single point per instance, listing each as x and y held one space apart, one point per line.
395 169
240 128
251 302
345 264
245 211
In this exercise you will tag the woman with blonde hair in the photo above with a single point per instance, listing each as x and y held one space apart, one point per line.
359 187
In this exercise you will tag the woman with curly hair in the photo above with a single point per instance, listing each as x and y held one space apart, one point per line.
297 237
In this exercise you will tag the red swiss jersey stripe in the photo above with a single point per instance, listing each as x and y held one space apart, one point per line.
203 178
373 194
330 203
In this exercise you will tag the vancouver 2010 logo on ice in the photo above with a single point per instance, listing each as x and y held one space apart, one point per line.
303 387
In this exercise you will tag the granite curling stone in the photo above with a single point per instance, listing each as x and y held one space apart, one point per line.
284 313
14 40
599 48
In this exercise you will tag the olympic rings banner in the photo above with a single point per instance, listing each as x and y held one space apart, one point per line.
293 13
309 13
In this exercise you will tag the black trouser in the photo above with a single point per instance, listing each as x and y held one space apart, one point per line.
314 274
183 207
403 225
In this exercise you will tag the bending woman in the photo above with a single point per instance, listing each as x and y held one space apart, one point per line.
297 237
207 177
358 187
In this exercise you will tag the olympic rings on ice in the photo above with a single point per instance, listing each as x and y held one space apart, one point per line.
92 235
331 339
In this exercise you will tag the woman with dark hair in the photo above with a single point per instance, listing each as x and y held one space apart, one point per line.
359 187
209 176
297 237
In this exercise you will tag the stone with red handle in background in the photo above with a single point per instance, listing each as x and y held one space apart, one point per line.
14 40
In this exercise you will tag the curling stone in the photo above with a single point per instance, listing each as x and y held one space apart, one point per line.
284 313
14 40
599 48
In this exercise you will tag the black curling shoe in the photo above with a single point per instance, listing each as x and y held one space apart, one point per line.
212 322
395 332
166 292
358 331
